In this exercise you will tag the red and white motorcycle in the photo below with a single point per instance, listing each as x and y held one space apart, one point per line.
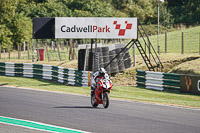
101 94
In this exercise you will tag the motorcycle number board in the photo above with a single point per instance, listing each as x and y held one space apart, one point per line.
95 27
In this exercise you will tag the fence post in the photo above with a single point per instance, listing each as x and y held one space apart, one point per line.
33 50
199 43
38 56
63 46
18 50
74 51
24 46
134 58
67 45
165 42
47 51
70 49
28 49
86 57
9 50
0 51
58 47
182 50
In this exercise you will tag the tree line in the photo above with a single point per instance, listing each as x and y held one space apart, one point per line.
16 15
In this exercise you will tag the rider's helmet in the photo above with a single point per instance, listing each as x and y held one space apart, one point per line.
102 72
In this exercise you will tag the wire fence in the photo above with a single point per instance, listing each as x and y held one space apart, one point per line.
51 52
182 42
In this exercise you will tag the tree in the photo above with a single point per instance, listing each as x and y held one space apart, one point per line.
91 8
142 9
166 18
7 12
5 36
185 11
21 28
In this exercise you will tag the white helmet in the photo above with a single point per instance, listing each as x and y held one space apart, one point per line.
102 71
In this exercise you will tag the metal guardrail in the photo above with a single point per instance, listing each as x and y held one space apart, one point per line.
158 80
63 75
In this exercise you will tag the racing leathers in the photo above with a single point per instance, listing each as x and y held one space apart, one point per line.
95 79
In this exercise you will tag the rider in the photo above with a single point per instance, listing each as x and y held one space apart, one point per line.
101 74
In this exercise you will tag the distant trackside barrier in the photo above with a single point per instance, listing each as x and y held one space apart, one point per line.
158 80
63 75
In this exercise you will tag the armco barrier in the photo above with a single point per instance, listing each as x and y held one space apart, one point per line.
63 75
158 80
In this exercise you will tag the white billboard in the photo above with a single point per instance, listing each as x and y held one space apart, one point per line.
95 27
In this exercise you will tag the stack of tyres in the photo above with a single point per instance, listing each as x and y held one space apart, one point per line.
106 60
127 59
81 59
114 65
120 60
103 57
96 61
99 51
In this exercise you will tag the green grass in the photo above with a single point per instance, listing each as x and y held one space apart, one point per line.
128 93
174 41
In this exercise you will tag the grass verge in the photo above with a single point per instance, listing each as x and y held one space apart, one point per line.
127 93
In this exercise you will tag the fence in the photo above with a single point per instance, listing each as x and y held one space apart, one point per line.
54 73
187 41
53 51
178 42
158 80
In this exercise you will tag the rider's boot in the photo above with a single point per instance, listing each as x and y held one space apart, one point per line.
92 91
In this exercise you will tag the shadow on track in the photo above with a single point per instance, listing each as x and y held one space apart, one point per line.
78 107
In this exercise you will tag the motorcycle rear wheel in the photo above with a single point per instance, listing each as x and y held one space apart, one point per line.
93 101
105 100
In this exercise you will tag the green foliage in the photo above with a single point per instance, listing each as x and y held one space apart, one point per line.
91 8
16 15
5 36
22 28
185 11
142 9
7 10
166 18
153 29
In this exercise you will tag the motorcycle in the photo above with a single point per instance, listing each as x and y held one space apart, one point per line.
101 94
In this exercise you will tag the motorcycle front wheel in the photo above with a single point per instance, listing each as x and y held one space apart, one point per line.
93 101
105 100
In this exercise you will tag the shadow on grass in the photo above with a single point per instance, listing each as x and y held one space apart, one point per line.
3 84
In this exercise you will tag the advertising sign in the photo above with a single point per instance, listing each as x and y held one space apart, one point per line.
95 27
43 28
190 84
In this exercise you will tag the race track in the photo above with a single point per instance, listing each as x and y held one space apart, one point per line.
75 111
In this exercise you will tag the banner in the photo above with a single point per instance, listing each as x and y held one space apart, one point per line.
95 27
190 83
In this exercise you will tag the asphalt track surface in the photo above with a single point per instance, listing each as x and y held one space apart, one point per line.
75 111
4 128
